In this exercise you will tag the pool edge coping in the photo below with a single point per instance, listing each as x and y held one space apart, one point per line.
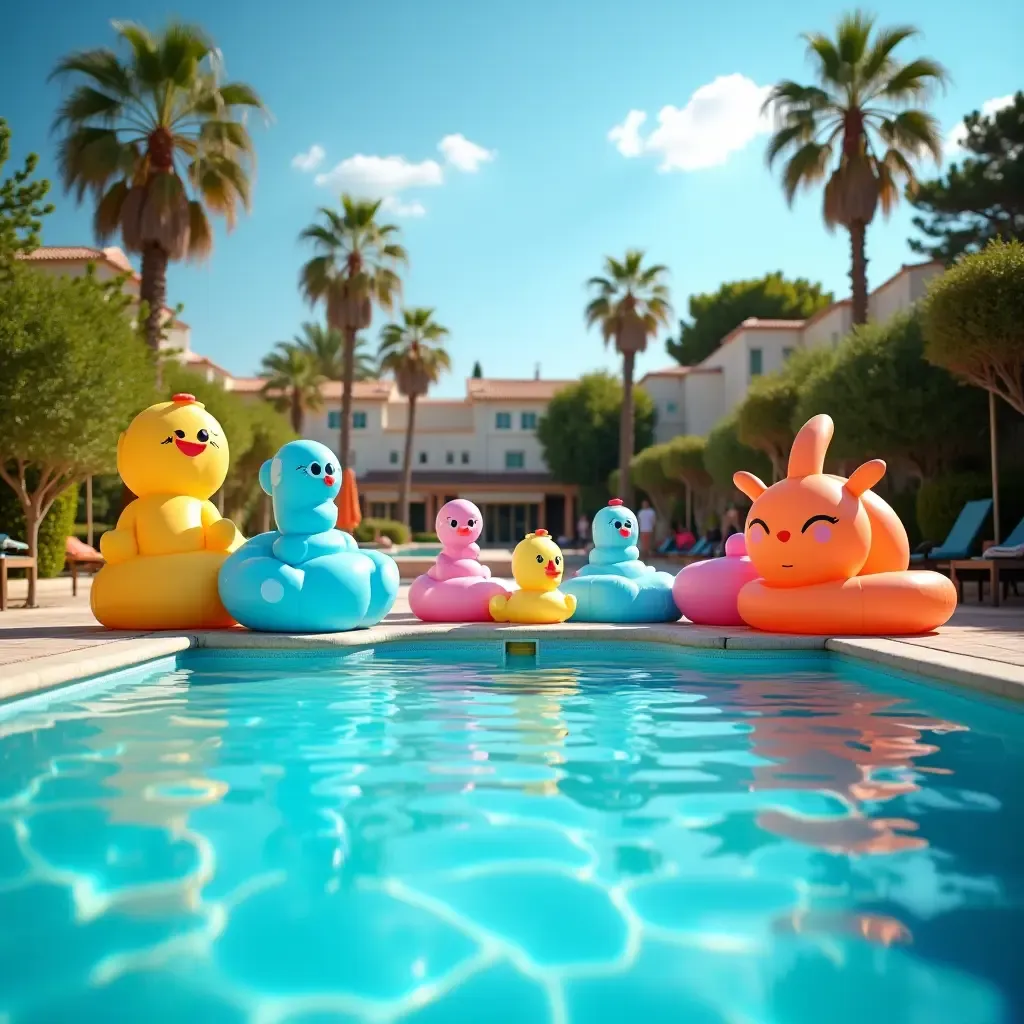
48 672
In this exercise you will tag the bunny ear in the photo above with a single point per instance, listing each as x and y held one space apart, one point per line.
865 477
753 487
807 456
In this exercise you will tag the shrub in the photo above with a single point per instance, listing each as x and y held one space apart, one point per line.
81 531
425 538
725 454
368 530
939 502
57 525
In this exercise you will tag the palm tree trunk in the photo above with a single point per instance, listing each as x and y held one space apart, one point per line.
405 488
859 272
153 291
296 416
348 369
626 429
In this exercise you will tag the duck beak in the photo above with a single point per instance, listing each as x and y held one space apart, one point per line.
329 480
552 569
463 531
625 533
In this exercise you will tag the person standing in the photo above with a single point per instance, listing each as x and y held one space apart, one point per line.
645 520
583 531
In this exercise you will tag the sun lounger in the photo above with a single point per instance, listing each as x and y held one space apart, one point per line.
1000 565
11 557
79 556
961 538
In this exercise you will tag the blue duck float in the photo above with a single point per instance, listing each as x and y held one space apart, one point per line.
306 576
615 586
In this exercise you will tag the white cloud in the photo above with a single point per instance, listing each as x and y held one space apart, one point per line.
377 176
310 160
465 155
401 209
719 119
953 145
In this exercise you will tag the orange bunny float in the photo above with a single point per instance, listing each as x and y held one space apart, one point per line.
831 554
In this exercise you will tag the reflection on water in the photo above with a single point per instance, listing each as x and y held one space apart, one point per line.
390 840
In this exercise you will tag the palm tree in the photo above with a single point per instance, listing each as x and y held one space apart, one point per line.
354 268
325 346
413 351
631 303
160 142
292 381
858 128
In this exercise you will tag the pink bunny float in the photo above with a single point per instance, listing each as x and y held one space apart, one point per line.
456 588
707 592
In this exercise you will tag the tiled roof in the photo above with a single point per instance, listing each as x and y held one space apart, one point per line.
194 359
363 390
455 479
497 390
248 385
112 256
680 371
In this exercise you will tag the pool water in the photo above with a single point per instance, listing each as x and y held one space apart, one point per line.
604 836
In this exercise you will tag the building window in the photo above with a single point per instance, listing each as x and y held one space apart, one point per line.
393 458
670 407
334 420
786 353
378 510
359 421
423 458
756 362
503 421
528 421
449 458
515 460
465 458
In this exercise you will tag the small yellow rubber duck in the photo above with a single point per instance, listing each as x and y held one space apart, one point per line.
537 566
164 556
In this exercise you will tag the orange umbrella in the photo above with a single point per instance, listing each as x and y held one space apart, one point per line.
349 516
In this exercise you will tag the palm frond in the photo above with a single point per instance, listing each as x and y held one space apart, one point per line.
806 167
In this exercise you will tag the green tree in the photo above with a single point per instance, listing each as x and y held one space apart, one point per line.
355 268
858 128
630 304
478 370
765 417
887 402
974 321
579 432
64 398
293 381
269 432
980 199
413 352
714 314
21 202
159 141
326 347
725 454
666 472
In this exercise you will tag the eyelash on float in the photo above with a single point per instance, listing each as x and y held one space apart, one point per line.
818 519
300 469
761 523
168 441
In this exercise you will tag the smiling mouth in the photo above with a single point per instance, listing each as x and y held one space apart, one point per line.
463 531
189 448
552 572
787 567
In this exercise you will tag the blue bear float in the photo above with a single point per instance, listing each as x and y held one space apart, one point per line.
306 576
615 586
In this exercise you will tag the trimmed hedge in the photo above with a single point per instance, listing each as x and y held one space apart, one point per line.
425 538
368 530
58 524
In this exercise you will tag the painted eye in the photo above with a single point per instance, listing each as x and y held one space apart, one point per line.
329 469
618 524
628 525
314 468
453 523
818 519
179 433
758 522
471 523
203 436
558 559
540 559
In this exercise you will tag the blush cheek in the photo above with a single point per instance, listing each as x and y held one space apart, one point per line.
756 536
822 533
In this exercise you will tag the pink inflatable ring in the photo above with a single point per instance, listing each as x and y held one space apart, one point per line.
707 592
456 588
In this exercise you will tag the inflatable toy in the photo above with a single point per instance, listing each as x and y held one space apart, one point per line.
831 555
707 592
456 588
615 586
537 566
306 576
170 542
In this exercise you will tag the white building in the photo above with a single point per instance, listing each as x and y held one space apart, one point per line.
692 399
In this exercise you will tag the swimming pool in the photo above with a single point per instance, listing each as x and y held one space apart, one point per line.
443 835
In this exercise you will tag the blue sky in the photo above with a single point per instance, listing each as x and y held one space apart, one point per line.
502 246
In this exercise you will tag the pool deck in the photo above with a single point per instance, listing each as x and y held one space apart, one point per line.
60 642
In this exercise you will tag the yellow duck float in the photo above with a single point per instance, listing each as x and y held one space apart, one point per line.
164 556
537 566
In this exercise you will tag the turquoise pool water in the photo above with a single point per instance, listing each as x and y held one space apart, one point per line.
607 835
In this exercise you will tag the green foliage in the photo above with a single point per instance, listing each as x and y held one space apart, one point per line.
974 321
478 370
714 314
978 199
107 491
369 529
939 502
579 433
57 525
725 454
81 530
293 378
74 375
425 538
21 202
413 351
887 402
268 432
767 417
